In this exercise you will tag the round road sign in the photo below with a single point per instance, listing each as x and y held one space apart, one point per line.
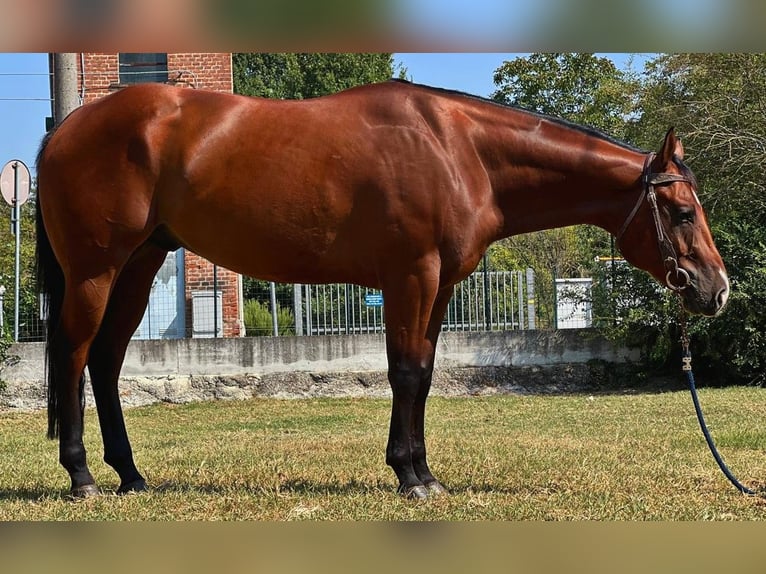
13 169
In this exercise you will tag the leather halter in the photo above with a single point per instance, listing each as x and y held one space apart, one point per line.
667 251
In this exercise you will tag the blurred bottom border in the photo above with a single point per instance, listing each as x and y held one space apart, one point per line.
382 547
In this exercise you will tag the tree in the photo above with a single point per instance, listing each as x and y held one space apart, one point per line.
582 88
586 90
28 324
717 103
300 76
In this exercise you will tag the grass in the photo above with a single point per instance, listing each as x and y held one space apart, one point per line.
600 457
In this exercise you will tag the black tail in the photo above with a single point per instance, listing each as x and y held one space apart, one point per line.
50 284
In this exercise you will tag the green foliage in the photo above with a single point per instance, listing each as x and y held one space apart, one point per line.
5 344
300 76
582 88
716 102
28 295
261 291
258 319
629 306
733 346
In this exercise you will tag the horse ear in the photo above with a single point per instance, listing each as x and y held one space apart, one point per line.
670 147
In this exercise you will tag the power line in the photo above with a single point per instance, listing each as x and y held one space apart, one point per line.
25 74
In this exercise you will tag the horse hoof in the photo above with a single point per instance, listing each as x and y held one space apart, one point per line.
84 491
134 486
417 492
436 488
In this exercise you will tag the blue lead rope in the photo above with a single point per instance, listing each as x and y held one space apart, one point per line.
686 358
687 367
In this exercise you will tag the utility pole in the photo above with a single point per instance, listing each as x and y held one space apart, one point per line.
65 98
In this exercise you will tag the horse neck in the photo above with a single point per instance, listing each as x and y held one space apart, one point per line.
550 175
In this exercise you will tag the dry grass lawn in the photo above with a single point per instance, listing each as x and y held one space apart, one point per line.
509 458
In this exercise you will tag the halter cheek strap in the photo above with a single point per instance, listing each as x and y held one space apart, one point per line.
644 189
668 253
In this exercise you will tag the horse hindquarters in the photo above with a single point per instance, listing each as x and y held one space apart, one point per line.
78 292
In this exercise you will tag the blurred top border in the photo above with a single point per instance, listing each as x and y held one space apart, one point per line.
384 26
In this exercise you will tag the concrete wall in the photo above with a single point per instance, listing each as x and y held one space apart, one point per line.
197 369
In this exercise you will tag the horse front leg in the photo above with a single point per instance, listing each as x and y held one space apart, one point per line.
406 450
418 442
409 308
405 381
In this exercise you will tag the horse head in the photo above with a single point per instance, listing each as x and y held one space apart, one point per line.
667 233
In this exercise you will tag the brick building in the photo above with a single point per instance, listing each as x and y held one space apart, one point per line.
101 74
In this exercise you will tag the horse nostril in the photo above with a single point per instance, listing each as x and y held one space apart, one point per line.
722 297
723 294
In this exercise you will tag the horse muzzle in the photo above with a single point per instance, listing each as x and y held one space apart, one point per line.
700 297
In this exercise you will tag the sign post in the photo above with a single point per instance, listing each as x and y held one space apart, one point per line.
14 186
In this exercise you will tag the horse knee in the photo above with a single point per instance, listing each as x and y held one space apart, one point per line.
398 456
405 382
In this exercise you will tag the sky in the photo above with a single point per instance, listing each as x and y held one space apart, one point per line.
24 105
25 90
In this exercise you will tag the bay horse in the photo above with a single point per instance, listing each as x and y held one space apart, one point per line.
394 186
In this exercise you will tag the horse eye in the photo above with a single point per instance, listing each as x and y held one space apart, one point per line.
686 215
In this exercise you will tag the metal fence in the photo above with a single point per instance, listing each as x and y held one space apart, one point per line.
31 326
491 300
337 309
485 301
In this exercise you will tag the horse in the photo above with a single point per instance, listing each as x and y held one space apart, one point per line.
395 186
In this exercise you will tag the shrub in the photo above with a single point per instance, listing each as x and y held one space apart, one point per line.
5 344
728 349
258 320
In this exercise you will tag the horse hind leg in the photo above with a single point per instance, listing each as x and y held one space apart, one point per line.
123 315
82 310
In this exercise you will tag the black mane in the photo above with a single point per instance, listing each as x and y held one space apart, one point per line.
588 130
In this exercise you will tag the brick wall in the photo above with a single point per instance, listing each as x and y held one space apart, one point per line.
205 71
101 72
209 71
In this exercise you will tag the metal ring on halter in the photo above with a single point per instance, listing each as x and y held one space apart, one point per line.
684 274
